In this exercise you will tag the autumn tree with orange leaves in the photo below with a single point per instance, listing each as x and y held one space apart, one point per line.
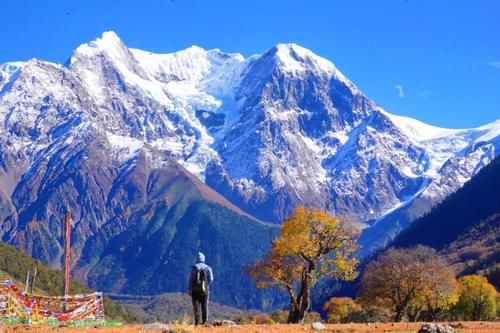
409 281
312 243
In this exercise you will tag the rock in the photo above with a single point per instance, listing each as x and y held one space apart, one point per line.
318 326
228 323
156 326
436 328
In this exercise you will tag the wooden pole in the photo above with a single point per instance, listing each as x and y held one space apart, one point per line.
27 282
67 253
33 282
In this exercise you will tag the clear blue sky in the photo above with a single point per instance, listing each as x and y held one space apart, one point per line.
444 56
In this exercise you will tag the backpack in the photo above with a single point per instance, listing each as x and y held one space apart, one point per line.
200 282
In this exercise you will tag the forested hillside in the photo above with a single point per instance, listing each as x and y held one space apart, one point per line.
478 250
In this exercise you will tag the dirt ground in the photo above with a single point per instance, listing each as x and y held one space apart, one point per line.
462 327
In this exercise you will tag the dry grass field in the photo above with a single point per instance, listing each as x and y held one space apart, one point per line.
462 327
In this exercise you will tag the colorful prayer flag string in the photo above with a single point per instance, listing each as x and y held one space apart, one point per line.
16 305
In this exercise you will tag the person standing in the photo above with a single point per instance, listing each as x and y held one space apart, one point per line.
200 278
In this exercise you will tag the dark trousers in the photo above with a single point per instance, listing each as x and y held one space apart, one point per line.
200 302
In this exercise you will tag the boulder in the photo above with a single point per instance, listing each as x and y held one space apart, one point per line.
436 328
156 326
317 326
229 323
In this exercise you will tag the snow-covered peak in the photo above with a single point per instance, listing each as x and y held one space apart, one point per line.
108 38
11 67
489 131
296 60
192 64
192 52
422 132
109 44
8 71
417 130
189 64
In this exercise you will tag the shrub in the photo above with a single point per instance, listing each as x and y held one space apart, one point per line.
338 309
478 298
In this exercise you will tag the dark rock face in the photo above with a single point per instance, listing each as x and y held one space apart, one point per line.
210 119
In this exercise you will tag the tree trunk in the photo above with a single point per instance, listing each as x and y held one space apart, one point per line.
298 311
297 314
293 316
400 311
413 315
433 313
476 312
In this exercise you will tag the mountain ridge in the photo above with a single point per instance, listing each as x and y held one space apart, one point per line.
289 56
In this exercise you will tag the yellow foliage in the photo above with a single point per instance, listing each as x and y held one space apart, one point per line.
477 299
338 308
311 243
314 236
440 289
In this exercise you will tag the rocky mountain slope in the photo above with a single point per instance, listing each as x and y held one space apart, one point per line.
476 201
160 155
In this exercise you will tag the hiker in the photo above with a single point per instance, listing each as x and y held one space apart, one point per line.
199 280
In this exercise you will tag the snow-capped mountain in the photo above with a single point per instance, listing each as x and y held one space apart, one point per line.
139 217
267 132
